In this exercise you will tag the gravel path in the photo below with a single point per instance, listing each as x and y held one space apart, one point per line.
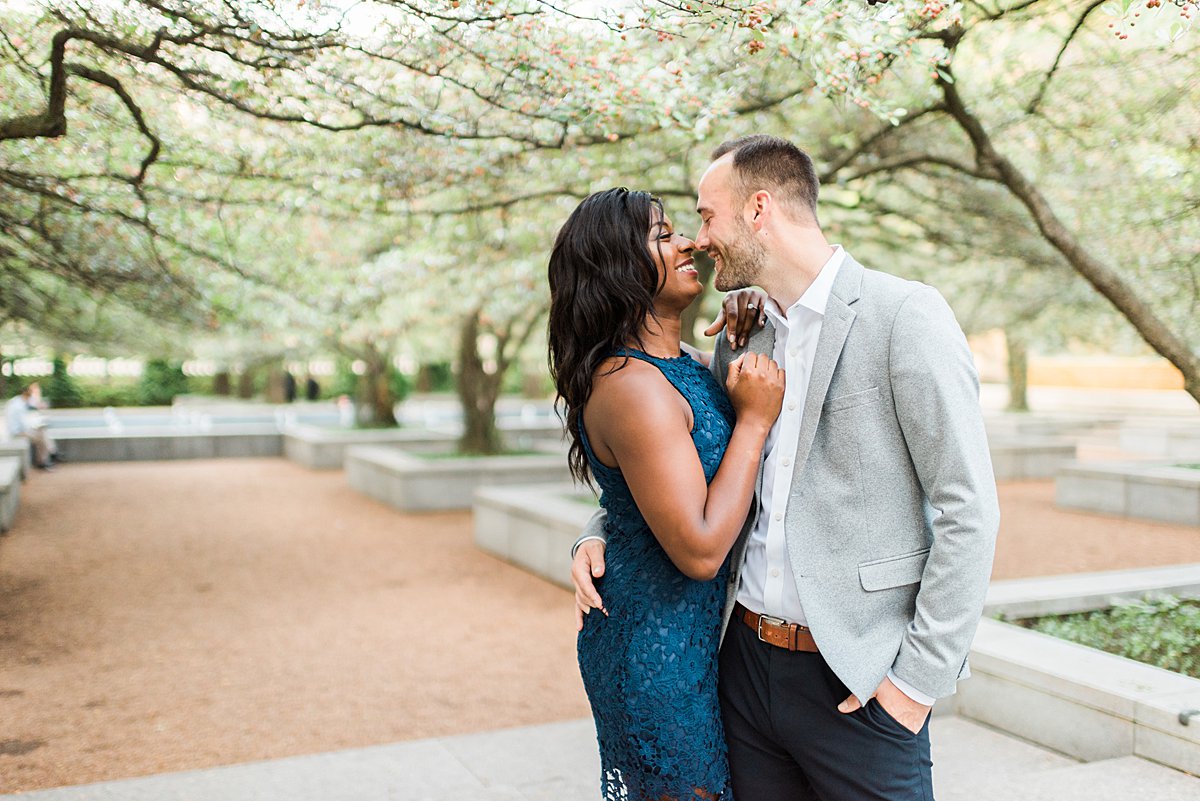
178 615
175 615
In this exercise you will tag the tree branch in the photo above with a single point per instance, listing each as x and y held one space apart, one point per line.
911 160
830 173
1049 76
52 122
104 79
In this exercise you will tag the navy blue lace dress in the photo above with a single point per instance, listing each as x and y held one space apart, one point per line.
650 667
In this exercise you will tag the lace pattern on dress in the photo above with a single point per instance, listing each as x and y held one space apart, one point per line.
650 666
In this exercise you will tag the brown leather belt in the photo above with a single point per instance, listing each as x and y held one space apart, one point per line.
777 631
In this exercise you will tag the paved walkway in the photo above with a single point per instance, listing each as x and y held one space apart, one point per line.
557 762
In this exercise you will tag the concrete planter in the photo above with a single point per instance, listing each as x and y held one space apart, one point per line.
87 445
1165 493
10 491
325 448
1162 439
532 436
406 481
533 526
1009 425
1077 700
1027 457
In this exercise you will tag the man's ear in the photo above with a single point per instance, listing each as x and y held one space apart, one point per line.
759 205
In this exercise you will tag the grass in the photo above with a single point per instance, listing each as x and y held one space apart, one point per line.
1162 631
1190 466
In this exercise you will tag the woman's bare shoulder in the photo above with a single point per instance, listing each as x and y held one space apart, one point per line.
623 386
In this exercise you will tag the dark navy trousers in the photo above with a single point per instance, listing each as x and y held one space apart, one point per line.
788 741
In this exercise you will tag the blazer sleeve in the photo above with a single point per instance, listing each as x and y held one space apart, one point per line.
593 530
936 390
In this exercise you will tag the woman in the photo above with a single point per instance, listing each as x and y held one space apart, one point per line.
676 459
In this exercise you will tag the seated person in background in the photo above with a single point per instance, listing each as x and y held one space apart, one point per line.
24 423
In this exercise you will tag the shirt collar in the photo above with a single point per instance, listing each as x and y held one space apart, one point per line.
816 297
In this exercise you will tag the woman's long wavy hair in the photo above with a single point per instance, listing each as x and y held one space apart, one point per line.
602 286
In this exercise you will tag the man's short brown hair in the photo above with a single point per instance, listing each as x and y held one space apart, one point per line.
768 162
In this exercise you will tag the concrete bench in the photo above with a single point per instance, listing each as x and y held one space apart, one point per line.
20 450
10 490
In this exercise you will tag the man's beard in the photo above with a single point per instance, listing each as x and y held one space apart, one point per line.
742 260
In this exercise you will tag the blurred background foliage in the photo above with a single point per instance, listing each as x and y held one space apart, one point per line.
256 182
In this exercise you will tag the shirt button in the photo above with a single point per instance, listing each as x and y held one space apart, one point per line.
794 351
779 515
786 461
791 406
775 572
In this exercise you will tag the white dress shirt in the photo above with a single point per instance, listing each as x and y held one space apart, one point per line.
767 583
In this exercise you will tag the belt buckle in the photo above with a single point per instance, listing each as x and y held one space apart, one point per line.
777 621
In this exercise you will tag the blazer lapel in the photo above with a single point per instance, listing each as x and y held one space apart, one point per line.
839 317
761 341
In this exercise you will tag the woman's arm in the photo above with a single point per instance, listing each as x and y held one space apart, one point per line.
637 418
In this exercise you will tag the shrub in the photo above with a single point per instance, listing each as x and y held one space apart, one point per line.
161 382
124 393
436 377
1162 631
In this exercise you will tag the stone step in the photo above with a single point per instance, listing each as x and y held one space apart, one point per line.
1120 779
558 761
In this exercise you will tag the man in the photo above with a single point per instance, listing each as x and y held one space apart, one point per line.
18 412
859 579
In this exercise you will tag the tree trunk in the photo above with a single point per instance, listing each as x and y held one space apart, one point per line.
275 393
245 384
221 383
424 382
379 392
1018 371
477 391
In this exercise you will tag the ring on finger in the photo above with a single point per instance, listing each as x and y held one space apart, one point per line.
751 306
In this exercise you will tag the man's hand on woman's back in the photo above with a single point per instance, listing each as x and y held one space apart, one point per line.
587 565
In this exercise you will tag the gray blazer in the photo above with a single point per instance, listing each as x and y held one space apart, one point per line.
892 517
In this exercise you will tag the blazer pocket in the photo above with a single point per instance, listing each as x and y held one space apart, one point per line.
853 399
894 571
